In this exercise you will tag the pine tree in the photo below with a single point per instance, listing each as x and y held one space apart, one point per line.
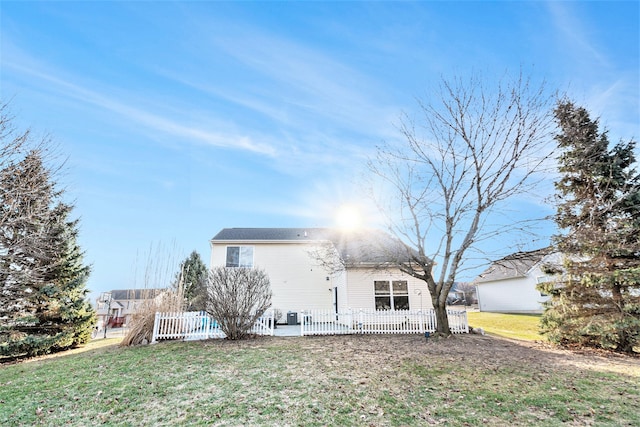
598 301
193 273
65 306
26 194
43 305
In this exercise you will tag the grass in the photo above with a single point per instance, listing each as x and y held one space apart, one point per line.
344 380
515 326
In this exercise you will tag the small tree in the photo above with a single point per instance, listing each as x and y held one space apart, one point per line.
193 274
236 298
597 302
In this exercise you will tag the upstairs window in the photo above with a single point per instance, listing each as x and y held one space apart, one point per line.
240 256
392 295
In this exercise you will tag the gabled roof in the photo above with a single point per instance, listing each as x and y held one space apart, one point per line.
513 266
361 246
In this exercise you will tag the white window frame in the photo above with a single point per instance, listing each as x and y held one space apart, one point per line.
245 256
391 294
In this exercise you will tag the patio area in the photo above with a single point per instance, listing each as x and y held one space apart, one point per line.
287 331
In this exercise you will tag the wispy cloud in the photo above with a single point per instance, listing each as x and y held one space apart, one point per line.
127 111
618 99
573 31
608 88
313 83
293 83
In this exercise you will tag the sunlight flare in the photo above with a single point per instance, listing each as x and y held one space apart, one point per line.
348 217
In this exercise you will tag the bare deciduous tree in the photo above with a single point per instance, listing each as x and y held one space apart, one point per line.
474 148
236 298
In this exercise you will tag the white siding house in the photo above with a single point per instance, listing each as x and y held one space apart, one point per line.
322 268
509 284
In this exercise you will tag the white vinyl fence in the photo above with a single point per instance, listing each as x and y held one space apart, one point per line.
327 322
198 325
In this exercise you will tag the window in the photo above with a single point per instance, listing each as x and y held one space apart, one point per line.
240 256
392 295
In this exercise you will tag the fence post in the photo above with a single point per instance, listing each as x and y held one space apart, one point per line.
156 322
465 322
205 325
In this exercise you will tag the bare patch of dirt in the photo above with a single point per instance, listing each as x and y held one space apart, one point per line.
475 349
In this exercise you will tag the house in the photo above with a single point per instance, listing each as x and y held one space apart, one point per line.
462 293
116 307
509 284
324 268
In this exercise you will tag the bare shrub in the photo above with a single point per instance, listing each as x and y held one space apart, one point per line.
236 298
141 329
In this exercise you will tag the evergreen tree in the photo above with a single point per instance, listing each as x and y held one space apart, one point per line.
65 307
43 305
193 273
26 193
598 301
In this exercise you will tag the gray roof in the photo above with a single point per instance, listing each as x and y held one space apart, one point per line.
513 266
272 234
362 246
135 294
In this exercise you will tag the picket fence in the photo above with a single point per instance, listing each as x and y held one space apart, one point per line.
327 322
198 325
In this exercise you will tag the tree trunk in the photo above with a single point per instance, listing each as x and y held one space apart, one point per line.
442 321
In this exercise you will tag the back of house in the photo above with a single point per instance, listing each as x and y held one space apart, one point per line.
323 268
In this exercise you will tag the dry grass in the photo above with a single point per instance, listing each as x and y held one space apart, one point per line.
159 270
341 380
141 324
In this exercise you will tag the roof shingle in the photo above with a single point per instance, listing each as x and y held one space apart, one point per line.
512 266
362 246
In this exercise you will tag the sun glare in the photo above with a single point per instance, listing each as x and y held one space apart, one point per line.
348 217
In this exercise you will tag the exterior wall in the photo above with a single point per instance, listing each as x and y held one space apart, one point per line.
297 281
517 295
360 292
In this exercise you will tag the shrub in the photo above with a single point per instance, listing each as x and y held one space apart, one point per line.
236 298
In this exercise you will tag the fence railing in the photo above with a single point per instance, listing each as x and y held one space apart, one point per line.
327 322
197 325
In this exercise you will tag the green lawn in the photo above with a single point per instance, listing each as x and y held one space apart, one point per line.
516 326
377 380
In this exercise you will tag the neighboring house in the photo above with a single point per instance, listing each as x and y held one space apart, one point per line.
324 268
462 293
509 284
116 307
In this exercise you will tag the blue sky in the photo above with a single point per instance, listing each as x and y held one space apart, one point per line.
179 119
